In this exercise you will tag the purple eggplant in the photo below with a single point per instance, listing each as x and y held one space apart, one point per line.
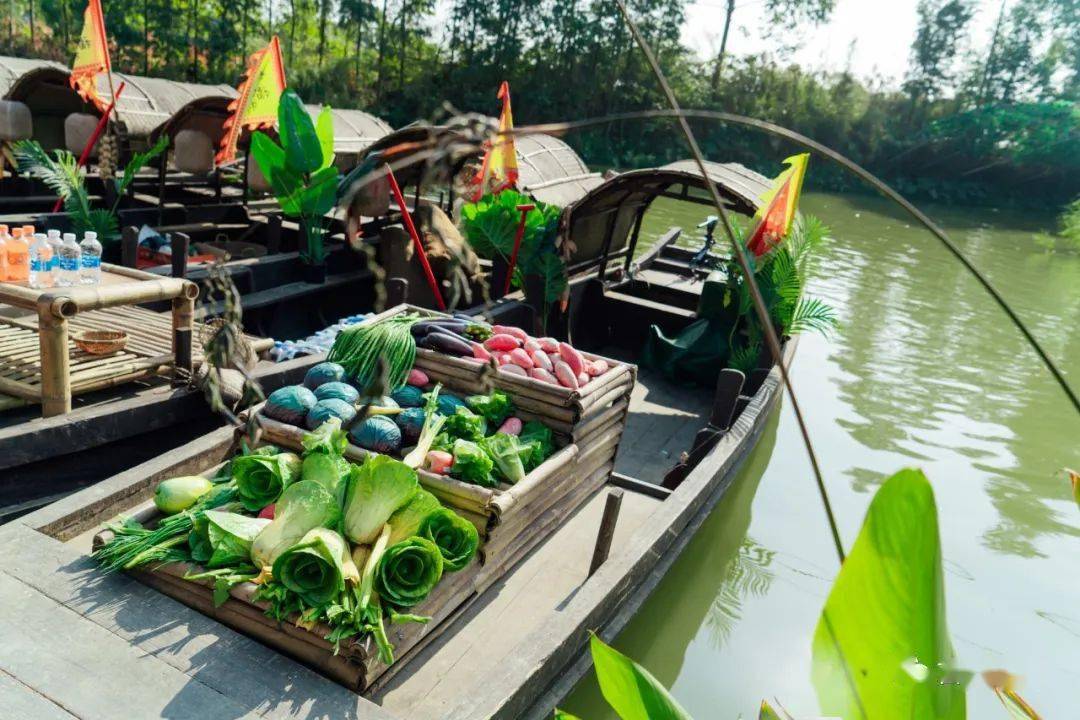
445 342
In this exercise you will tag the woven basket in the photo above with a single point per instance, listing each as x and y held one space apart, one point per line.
100 342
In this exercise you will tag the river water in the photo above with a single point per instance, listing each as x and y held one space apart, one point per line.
923 371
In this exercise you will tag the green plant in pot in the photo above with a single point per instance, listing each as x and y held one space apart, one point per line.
301 173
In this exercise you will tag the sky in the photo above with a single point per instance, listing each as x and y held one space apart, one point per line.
881 30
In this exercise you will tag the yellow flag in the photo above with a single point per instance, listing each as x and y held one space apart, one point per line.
257 105
774 218
500 169
92 57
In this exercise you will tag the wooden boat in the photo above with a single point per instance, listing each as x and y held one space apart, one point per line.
517 646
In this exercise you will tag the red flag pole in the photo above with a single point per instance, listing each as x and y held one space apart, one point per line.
102 122
524 210
416 239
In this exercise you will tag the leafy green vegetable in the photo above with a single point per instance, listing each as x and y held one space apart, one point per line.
376 490
304 506
328 439
630 689
465 424
407 521
318 567
881 642
433 424
541 440
408 571
495 407
508 454
456 537
221 539
472 464
260 479
361 348
323 461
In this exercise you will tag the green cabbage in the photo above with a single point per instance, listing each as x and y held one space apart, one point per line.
376 490
495 407
408 571
407 521
542 441
223 539
317 568
472 464
260 479
465 424
304 506
508 454
456 538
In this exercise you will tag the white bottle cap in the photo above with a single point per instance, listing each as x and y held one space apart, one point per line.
54 234
69 236
91 235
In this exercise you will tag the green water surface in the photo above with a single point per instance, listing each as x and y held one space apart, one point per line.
924 371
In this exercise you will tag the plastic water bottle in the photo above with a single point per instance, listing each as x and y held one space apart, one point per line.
18 256
90 266
41 256
4 238
53 238
70 261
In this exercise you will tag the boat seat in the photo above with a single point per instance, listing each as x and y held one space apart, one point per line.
16 122
78 127
193 152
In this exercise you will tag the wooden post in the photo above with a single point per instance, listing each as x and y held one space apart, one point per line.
162 170
607 529
397 291
55 367
183 316
634 238
129 246
179 243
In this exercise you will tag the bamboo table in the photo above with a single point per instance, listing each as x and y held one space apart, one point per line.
56 306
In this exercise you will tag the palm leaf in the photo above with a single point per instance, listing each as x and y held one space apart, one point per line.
812 314
138 162
745 359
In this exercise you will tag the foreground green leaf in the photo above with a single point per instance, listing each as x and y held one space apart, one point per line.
881 648
630 689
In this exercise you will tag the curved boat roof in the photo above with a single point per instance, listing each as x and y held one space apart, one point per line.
354 130
550 170
604 218
13 68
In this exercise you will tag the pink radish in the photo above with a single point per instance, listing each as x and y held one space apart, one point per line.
267 513
596 368
513 369
566 376
502 342
520 357
539 373
549 345
582 378
541 360
572 358
553 357
480 352
418 378
503 358
512 426
510 330
438 462
532 345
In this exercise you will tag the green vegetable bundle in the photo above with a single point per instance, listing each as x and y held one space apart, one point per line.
456 538
408 571
303 506
260 479
508 455
472 464
323 460
318 567
377 489
359 348
494 407
222 539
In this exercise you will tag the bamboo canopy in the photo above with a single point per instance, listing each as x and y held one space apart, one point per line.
13 68
604 218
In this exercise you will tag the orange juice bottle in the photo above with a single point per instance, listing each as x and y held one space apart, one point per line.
18 256
4 237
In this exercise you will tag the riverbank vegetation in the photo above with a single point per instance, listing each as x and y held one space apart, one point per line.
994 122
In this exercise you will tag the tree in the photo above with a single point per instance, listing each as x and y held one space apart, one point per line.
777 11
942 25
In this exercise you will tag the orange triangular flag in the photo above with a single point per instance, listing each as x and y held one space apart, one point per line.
775 217
500 169
92 57
257 105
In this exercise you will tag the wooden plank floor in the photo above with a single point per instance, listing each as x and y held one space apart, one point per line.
516 606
